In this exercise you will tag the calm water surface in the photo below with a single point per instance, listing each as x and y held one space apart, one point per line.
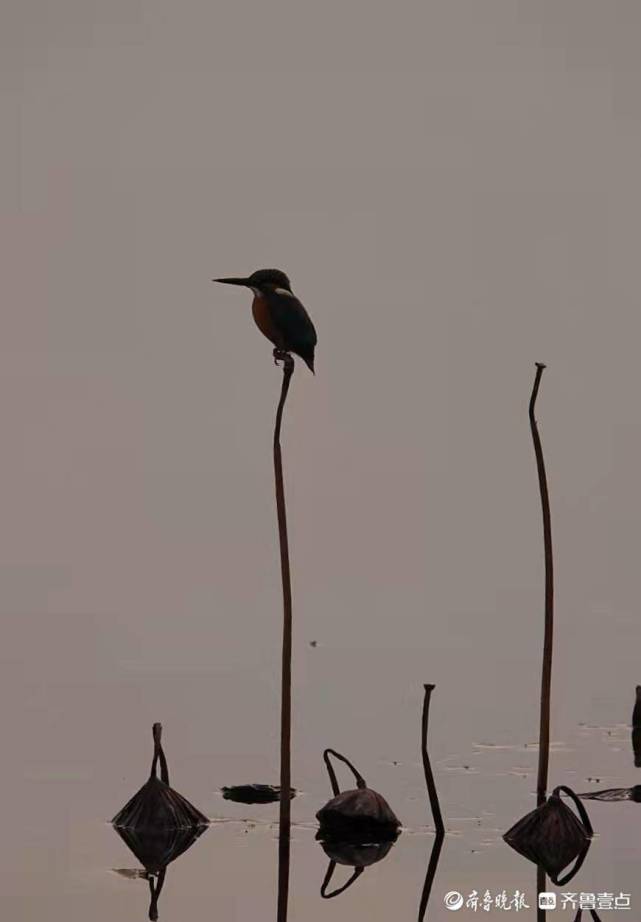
454 191
80 745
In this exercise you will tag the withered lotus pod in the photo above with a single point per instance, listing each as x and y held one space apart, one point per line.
255 793
156 806
358 815
552 836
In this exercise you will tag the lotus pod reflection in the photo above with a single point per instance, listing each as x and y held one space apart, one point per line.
156 805
355 855
351 855
552 836
360 814
155 849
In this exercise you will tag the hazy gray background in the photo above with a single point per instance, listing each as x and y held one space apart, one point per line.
453 188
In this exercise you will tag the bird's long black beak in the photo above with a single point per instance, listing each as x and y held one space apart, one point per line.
233 281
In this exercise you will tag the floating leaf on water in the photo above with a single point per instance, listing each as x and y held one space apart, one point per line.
614 795
552 836
156 805
255 793
131 873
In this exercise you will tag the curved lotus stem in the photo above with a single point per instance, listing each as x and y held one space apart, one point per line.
159 756
546 680
284 823
360 781
328 876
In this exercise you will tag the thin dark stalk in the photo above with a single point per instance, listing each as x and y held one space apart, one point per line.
284 825
427 768
541 914
155 887
159 755
546 678
636 728
434 804
431 874
283 874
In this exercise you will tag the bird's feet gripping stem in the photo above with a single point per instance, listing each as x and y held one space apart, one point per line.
281 355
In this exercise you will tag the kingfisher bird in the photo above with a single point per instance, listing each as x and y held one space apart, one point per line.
279 315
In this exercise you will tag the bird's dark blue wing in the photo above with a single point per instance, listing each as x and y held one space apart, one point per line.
293 322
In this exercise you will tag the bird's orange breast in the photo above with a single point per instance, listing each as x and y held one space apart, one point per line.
264 322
